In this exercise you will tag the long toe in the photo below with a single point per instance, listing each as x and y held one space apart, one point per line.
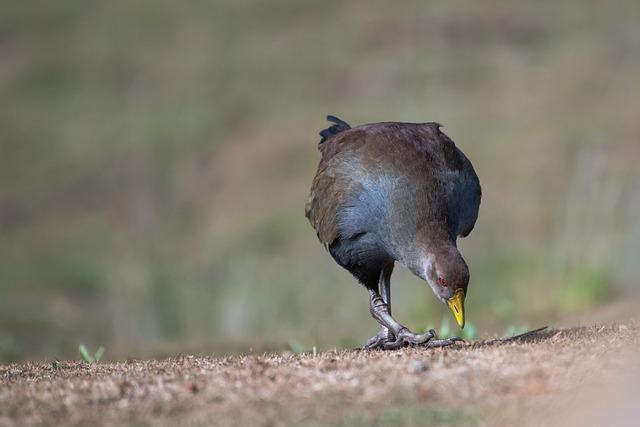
373 343
444 343
406 337
399 342
418 339
379 340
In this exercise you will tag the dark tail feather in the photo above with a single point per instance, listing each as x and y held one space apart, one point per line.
339 126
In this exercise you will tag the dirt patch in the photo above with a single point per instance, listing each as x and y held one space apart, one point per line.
480 383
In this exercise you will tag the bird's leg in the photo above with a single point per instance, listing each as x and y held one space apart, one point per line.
405 337
384 285
390 327
393 335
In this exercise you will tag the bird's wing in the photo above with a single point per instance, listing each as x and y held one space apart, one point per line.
332 184
454 167
421 153
469 194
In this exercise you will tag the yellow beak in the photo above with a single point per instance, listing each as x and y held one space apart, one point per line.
456 305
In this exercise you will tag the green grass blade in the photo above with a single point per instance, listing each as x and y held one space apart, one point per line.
85 353
99 354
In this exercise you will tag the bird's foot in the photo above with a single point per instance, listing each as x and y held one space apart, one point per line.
406 337
435 343
379 340
429 339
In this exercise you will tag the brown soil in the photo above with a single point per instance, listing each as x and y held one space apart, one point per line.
480 383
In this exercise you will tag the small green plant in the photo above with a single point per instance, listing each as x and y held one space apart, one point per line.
55 365
296 347
512 330
469 332
446 331
87 357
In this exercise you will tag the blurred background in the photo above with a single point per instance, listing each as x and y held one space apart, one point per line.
155 159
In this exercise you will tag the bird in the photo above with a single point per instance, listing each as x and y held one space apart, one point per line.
396 192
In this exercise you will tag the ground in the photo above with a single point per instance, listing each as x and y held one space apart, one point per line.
543 378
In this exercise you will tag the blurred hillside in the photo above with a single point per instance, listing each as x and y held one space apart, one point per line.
156 159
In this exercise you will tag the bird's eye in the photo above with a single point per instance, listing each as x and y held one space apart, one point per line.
442 282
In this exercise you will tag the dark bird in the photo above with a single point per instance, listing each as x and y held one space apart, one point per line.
387 192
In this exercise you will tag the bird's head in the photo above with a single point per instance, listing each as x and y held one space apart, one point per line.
447 274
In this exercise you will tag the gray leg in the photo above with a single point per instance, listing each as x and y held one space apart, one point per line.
393 335
384 285
380 311
403 335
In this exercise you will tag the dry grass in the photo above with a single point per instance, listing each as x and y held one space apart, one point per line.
480 383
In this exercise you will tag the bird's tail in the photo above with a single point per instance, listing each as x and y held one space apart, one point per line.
339 126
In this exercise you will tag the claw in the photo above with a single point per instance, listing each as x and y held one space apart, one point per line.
393 345
379 340
406 337
373 343
444 342
385 340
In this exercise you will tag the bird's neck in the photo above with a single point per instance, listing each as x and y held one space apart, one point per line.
428 246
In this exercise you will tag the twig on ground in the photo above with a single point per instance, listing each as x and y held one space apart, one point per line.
515 337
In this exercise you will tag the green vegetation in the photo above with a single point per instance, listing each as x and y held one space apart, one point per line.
586 287
156 157
447 331
297 347
512 330
88 357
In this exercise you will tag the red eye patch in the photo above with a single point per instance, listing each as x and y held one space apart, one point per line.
442 282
